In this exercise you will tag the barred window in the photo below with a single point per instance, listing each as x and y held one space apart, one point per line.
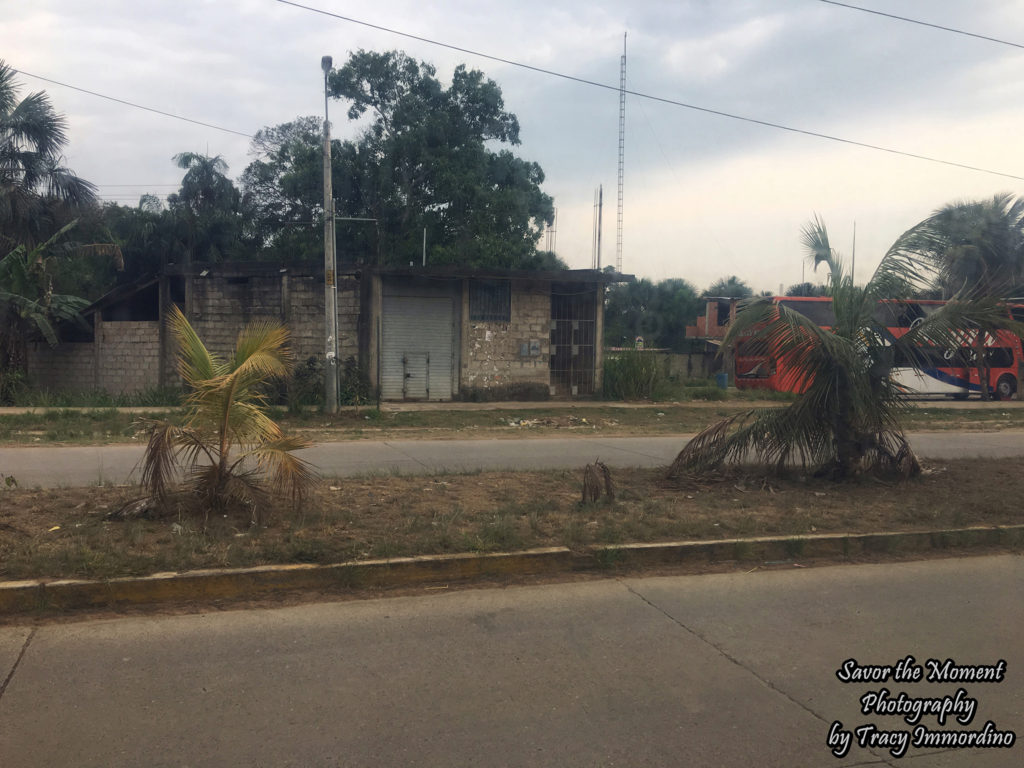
490 301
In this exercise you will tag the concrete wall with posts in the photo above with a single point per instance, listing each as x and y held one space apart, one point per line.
506 354
133 356
219 308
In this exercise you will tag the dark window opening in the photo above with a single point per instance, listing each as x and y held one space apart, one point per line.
141 305
490 301
176 286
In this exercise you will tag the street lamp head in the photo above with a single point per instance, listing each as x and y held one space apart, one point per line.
326 62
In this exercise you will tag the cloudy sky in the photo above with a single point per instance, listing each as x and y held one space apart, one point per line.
705 195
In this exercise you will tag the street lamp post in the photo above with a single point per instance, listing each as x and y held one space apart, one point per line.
330 276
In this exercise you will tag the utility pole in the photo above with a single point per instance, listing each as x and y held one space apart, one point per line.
330 267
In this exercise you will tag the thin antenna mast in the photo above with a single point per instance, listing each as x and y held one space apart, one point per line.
600 209
622 155
853 257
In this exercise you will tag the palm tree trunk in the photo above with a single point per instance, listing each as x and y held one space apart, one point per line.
849 447
982 365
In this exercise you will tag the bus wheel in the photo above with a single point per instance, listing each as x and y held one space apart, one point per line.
1006 387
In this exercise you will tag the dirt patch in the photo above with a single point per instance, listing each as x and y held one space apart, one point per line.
65 533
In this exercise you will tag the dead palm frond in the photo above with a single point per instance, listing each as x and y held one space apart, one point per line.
227 447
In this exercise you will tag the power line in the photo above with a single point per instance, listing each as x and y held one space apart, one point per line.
132 104
923 23
138 185
651 97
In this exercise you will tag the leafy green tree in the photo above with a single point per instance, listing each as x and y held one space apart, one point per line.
227 444
659 312
38 195
847 418
30 307
425 161
282 192
731 287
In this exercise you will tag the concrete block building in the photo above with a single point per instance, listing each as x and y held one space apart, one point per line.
430 333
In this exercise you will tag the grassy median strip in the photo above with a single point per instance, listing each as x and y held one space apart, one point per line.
67 533
105 426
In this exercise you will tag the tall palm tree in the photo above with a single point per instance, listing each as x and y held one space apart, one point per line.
227 443
977 247
38 194
847 418
208 206
731 287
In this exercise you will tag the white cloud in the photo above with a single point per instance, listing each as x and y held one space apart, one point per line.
713 57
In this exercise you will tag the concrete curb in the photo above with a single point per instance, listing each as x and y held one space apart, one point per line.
247 583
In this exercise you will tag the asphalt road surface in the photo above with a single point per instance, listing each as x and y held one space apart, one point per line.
725 670
91 465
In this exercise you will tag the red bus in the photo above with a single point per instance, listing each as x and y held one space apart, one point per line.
935 371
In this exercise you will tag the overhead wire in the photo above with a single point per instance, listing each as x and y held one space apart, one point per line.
585 81
652 97
132 104
923 23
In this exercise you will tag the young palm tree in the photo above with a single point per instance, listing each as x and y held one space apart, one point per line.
227 444
847 418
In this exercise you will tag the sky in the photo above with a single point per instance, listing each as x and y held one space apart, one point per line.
705 196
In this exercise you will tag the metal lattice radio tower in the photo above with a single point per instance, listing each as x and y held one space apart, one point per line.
622 155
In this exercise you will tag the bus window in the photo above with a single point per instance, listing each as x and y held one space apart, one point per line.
818 312
999 357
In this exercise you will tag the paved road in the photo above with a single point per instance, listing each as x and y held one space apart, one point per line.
88 465
726 670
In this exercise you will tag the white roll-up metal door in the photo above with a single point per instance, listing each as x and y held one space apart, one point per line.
416 348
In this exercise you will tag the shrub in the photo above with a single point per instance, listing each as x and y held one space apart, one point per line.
632 375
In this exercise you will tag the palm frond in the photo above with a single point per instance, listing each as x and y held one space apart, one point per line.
195 363
248 424
706 450
161 461
814 238
286 471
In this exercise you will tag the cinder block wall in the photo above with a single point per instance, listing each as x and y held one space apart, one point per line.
129 356
220 309
69 366
125 358
491 351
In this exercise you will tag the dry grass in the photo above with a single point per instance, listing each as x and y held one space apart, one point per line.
64 533
103 426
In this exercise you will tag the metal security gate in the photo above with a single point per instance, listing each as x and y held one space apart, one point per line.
573 340
416 348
